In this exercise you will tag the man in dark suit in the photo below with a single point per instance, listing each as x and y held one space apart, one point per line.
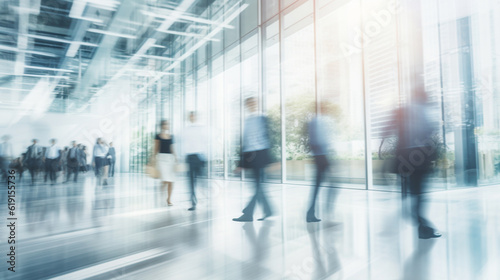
415 153
33 160
255 156
112 159
73 161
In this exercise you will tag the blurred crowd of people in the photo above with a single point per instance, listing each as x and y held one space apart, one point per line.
48 163
412 160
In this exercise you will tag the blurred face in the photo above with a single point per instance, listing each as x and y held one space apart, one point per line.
251 105
192 118
53 142
111 144
73 144
165 125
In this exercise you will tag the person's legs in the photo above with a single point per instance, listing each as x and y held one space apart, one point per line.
105 170
261 195
46 170
112 169
321 166
32 173
249 209
68 173
75 170
99 170
192 180
52 170
170 186
415 188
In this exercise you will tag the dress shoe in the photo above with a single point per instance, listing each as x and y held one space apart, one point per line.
312 219
192 208
243 218
425 232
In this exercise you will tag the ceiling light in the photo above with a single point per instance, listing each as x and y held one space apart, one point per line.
47 68
93 30
195 35
73 48
60 40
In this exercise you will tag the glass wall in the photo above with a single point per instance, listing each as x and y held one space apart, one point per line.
362 56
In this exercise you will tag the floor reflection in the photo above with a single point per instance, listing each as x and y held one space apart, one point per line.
126 231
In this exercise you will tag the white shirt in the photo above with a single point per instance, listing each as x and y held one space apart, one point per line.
100 150
194 139
52 152
6 150
255 136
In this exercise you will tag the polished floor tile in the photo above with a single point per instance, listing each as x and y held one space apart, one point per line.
126 231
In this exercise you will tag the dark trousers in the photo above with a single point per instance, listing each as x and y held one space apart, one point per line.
72 167
99 166
322 165
112 168
195 165
51 169
417 167
259 195
415 186
33 167
4 167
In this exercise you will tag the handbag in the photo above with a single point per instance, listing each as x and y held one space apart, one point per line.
152 171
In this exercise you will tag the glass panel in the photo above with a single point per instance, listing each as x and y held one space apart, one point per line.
233 109
250 16
250 73
381 81
202 103
232 35
217 119
271 93
269 9
300 96
340 83
218 42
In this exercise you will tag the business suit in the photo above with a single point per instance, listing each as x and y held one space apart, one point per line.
255 156
33 161
415 153
73 159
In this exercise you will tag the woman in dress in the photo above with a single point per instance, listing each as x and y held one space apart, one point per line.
165 158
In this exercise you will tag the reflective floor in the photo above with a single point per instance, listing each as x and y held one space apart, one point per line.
126 231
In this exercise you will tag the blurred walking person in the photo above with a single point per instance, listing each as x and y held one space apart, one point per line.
164 157
73 161
64 163
415 152
52 160
112 159
319 140
255 156
6 156
99 161
33 160
194 141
